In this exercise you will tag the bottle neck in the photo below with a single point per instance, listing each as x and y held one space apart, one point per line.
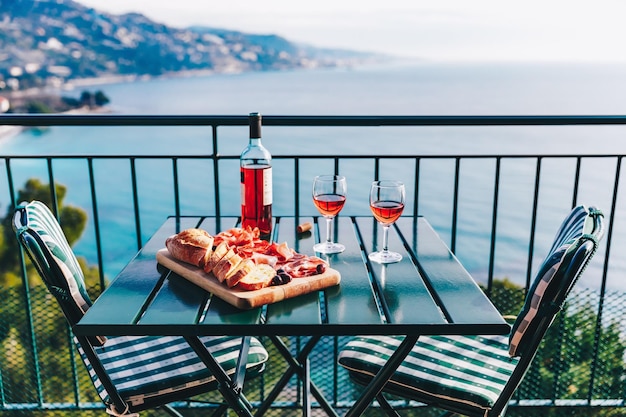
255 125
255 141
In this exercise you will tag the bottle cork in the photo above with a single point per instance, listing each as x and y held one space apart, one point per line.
304 227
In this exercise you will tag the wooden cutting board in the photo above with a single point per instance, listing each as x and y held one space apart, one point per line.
248 299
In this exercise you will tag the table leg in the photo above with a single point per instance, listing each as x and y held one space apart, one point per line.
385 406
296 364
378 382
228 387
306 388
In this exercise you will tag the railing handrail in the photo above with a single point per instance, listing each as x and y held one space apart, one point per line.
64 119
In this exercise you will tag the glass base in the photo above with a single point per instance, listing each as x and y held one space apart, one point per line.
329 247
385 257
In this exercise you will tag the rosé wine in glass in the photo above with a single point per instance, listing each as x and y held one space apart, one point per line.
387 204
329 196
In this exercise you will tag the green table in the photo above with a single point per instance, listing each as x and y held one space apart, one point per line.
427 293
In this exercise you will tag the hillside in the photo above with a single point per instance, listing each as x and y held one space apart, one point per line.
47 42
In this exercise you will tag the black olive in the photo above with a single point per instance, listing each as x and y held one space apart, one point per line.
276 280
320 268
285 277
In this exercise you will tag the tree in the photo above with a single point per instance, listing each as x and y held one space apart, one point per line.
38 107
87 98
100 98
72 219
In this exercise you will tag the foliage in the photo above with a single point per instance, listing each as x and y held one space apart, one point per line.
36 352
87 98
507 296
72 219
580 349
47 102
38 107
100 98
71 101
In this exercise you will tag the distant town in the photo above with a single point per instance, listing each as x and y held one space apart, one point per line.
46 45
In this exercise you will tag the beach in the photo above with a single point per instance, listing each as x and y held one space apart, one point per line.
7 131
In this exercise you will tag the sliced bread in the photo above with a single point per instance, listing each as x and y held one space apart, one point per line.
259 277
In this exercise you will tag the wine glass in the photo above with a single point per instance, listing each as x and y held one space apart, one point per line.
329 196
387 204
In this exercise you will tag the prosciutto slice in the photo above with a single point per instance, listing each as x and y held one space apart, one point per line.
248 244
300 266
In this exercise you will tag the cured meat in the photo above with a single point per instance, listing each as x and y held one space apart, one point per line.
239 257
303 266
262 258
278 255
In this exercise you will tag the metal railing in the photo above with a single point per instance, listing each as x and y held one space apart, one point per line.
497 211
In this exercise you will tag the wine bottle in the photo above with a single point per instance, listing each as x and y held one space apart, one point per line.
256 181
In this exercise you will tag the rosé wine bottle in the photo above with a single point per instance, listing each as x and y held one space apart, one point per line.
256 181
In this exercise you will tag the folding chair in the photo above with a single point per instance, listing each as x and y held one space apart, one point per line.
477 375
130 374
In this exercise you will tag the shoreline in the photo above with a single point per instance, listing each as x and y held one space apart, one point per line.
9 131
75 83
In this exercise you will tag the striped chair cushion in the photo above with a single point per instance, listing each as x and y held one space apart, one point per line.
141 367
574 230
41 220
56 261
471 370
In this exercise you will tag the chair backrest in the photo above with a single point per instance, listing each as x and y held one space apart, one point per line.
575 243
41 236
573 246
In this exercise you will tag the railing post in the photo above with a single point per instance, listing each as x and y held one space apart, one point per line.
216 175
96 221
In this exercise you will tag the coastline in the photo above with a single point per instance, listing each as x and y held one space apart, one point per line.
8 131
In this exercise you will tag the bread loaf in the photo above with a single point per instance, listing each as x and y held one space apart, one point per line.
191 246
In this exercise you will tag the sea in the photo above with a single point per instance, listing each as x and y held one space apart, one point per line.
397 87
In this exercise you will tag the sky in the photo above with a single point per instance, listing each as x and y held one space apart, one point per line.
450 30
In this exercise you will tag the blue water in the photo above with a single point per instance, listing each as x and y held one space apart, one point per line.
394 89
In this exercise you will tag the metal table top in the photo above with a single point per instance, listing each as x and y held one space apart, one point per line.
428 292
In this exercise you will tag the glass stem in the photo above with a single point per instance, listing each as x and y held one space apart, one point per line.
385 238
328 225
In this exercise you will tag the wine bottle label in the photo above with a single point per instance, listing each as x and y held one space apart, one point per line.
267 186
